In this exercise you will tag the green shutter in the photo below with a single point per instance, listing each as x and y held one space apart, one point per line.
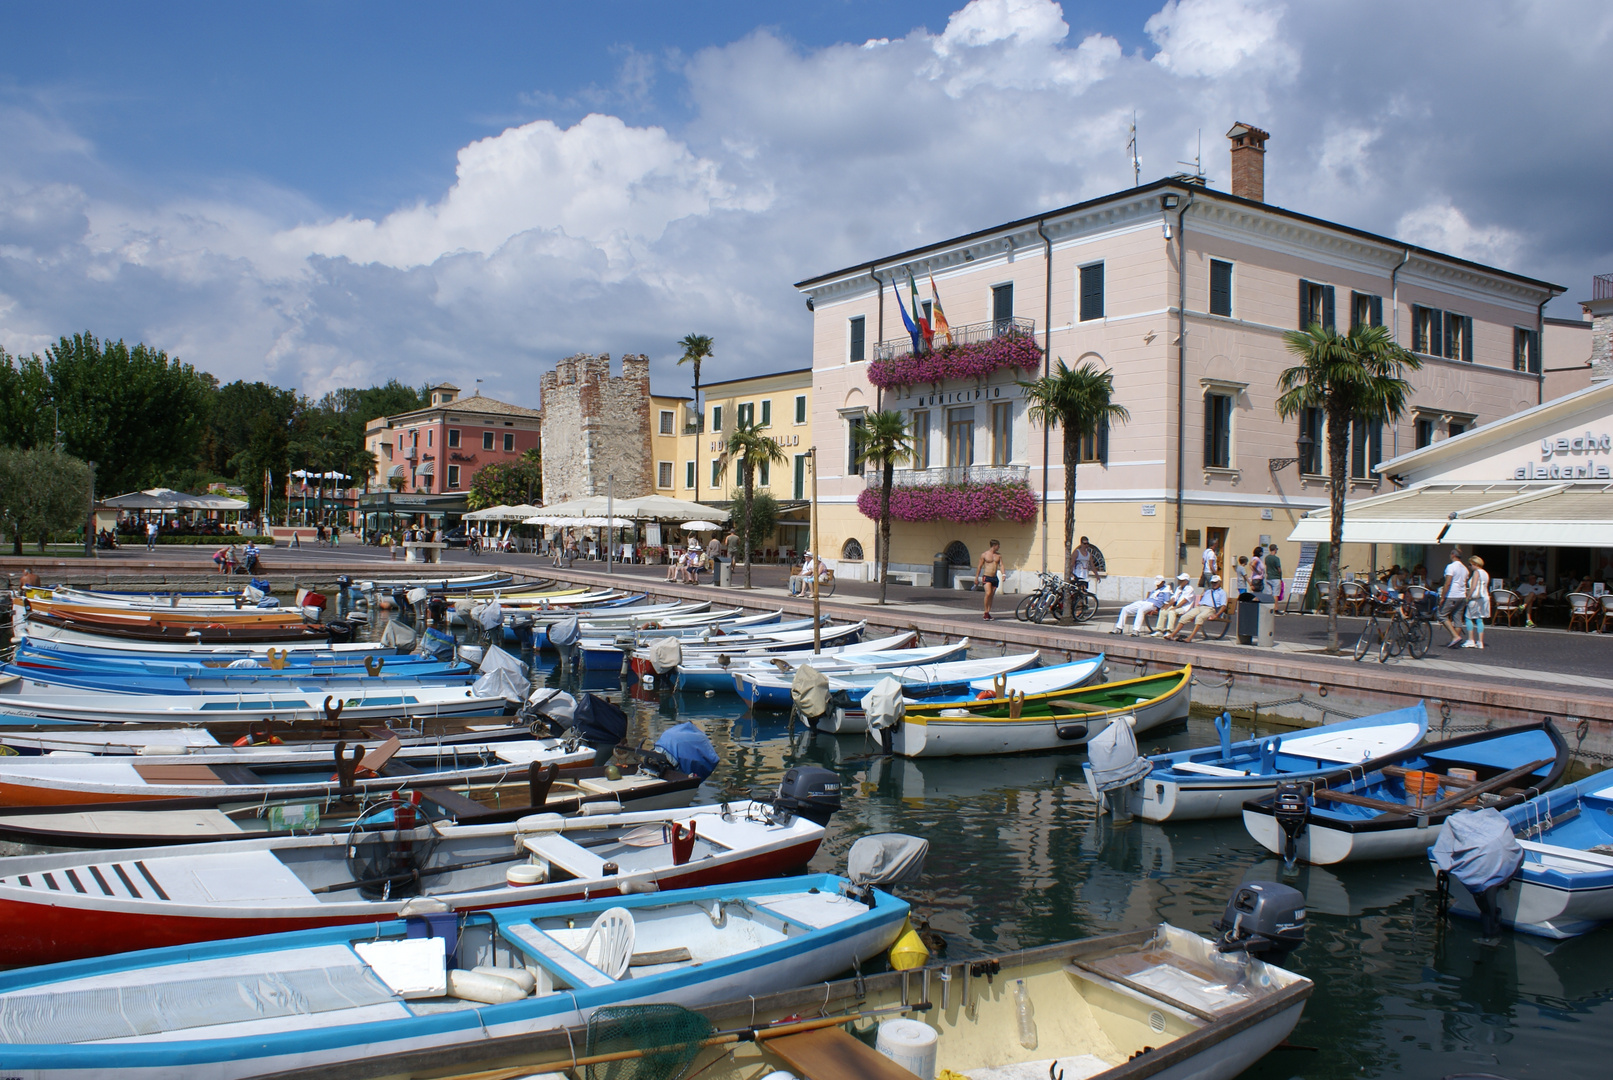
1467 338
767 412
1304 304
1327 307
1377 311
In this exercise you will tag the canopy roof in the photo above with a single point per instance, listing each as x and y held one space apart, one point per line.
643 508
168 499
1562 515
502 512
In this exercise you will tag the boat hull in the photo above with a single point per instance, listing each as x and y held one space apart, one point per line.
1322 845
1532 906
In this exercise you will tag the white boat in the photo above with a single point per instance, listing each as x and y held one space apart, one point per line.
1058 721
155 896
1027 681
1214 782
315 999
1564 885
716 673
70 636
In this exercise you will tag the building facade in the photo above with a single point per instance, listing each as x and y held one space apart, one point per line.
441 448
1184 293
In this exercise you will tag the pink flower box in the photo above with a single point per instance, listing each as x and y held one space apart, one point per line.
975 359
957 502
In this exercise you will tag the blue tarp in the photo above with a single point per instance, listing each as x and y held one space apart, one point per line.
689 749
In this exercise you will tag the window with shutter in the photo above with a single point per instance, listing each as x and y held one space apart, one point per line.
663 474
1310 424
1220 287
859 339
1365 310
1467 338
1525 350
716 418
1328 319
1092 292
799 490
688 475
1366 449
1095 446
1315 305
800 408
764 473
1217 431
767 412
1002 306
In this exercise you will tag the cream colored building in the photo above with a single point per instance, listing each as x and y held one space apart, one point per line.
690 463
1184 292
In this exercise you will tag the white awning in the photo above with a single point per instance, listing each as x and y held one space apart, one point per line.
427 468
395 472
1554 515
1418 515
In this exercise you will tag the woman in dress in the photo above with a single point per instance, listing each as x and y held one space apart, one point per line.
1478 603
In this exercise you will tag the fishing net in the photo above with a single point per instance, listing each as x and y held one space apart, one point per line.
667 1037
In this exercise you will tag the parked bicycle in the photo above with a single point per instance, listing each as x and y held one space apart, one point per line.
1049 599
1407 628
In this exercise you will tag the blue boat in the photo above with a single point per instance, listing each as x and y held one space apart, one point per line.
314 999
33 657
41 683
1393 806
1214 782
1563 886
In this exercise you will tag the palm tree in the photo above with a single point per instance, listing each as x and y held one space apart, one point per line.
884 441
749 447
696 347
1082 403
1348 376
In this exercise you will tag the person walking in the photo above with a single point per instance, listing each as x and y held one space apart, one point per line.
1209 560
1241 573
151 535
1452 595
714 556
1138 610
1257 572
733 554
1274 575
1478 603
988 575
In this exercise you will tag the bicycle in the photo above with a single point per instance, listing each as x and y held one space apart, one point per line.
1411 635
1050 597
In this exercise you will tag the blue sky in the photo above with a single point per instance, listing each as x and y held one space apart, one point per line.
329 194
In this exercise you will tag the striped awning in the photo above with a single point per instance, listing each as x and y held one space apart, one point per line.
395 472
427 468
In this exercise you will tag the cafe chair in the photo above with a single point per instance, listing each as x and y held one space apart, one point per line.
1504 604
1581 607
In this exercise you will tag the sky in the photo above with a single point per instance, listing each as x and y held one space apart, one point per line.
334 194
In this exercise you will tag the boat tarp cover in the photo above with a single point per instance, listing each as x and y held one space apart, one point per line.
884 705
501 683
666 654
1113 756
689 749
397 634
564 632
810 692
599 722
1478 849
496 659
557 705
93 1014
887 859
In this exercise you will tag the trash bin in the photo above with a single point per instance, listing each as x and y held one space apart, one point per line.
725 573
1266 620
941 572
1248 618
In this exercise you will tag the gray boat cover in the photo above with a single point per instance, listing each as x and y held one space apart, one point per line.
810 692
555 704
884 705
396 634
1478 848
496 659
665 654
501 682
488 616
1112 754
564 632
887 859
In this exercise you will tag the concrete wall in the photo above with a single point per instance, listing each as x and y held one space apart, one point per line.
595 426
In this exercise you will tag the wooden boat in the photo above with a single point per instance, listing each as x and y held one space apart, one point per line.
152 897
40 684
124 615
210 633
186 821
1565 886
274 773
1062 720
717 673
600 654
61 635
1214 782
1056 678
772 691
32 657
1161 1003
125 740
192 602
1392 807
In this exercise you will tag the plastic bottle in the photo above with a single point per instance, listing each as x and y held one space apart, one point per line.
1022 1006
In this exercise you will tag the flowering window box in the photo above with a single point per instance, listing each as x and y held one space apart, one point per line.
967 502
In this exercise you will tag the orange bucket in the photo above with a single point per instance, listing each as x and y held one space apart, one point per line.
1422 785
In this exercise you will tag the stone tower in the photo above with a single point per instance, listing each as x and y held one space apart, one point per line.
595 426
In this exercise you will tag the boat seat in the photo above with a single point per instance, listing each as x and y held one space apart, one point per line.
569 856
830 1053
545 949
1208 770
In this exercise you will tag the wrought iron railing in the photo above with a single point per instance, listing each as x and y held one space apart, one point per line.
1602 287
961 335
950 475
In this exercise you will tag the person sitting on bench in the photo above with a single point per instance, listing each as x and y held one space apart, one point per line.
1212 605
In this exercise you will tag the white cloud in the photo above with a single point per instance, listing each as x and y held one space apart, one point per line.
609 236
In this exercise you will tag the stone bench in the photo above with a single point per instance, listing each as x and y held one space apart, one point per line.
422 551
963 581
909 577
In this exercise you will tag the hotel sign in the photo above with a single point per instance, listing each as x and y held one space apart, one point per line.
1575 452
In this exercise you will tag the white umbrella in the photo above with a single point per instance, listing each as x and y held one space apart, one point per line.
699 526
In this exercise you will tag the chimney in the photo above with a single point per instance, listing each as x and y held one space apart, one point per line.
1248 161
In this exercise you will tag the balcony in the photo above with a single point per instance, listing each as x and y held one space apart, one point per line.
949 476
968 334
1602 287
410 453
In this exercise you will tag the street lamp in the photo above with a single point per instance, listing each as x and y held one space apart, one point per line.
817 557
1304 444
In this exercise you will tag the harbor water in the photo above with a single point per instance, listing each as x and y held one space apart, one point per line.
1019 857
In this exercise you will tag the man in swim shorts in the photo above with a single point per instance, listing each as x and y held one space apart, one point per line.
988 575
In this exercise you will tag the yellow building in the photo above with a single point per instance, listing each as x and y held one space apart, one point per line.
689 458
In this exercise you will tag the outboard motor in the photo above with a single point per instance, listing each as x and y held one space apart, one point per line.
1263 919
1479 849
341 631
885 859
811 792
1291 808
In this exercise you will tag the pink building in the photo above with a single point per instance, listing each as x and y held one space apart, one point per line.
439 449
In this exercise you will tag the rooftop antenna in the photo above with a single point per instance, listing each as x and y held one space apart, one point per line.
1131 147
1198 160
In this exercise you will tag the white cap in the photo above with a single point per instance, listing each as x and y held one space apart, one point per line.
1214 578
1183 577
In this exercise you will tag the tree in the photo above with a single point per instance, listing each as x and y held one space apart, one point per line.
237 406
759 511
1354 376
1082 402
886 442
696 347
749 448
507 483
41 492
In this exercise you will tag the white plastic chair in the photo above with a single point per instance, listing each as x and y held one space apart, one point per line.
609 944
